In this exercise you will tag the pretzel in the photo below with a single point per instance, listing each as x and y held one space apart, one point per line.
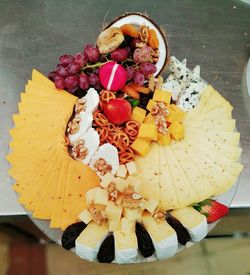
132 129
106 96
121 140
100 119
103 134
126 156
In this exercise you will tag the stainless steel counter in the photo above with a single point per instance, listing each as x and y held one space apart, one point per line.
214 34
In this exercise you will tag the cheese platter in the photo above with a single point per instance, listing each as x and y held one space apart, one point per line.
117 163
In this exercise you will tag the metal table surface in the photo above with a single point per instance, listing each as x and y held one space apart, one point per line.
214 34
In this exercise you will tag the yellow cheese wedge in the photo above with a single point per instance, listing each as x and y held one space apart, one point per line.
168 197
148 173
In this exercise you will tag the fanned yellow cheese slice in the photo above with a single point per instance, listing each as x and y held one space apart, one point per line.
148 173
208 124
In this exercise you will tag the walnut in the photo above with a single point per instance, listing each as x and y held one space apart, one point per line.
98 215
144 35
161 124
79 151
74 125
102 166
131 199
160 109
80 105
159 215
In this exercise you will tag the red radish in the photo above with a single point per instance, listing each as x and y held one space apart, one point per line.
112 76
212 209
118 111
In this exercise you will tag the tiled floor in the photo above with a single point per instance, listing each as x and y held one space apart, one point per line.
211 257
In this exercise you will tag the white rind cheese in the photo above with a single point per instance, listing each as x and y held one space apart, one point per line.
85 124
199 232
92 99
166 248
110 154
126 256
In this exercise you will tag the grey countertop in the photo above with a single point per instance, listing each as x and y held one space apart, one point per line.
214 34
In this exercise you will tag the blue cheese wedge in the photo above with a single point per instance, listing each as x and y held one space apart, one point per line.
193 221
163 236
90 240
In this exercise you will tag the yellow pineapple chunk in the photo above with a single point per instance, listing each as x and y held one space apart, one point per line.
141 146
148 131
149 119
162 95
150 105
164 140
85 216
175 114
176 130
138 114
122 171
101 196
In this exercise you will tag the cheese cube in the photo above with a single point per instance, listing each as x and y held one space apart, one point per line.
148 131
176 130
127 225
175 114
131 167
150 205
101 196
120 184
164 140
132 214
90 195
85 216
138 114
162 95
114 225
106 180
122 171
150 105
141 146
113 212
149 119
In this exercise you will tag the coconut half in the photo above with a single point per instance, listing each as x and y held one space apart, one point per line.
139 19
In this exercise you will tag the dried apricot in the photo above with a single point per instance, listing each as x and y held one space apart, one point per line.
153 39
130 30
106 253
131 92
182 233
138 88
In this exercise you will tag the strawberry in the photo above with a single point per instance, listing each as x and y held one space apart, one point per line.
118 111
212 209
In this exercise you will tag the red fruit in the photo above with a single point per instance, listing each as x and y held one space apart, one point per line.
212 209
118 110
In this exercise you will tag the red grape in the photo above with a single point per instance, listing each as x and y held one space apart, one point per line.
59 83
51 75
142 55
71 81
93 79
80 58
66 59
61 70
139 78
147 68
119 54
73 68
73 90
134 41
83 81
130 73
56 77
92 53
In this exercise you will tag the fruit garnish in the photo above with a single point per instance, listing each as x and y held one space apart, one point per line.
118 111
112 76
109 40
213 210
132 101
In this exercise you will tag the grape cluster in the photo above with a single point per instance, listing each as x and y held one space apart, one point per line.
69 74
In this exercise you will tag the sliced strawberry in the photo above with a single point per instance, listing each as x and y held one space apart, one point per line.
118 110
212 209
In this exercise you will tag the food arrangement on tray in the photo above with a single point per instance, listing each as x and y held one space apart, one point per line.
124 162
